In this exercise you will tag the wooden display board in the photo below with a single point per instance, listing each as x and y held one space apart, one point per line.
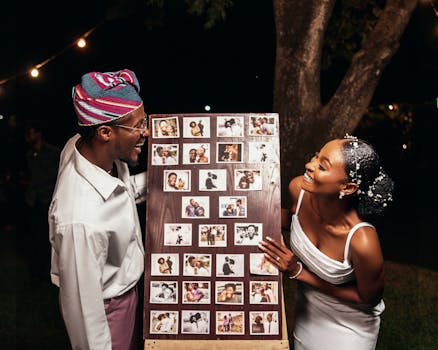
213 194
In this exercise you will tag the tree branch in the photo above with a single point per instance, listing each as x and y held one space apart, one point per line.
366 68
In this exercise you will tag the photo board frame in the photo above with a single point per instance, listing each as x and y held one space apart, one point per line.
233 201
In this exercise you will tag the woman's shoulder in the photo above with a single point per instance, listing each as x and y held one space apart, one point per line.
295 189
365 240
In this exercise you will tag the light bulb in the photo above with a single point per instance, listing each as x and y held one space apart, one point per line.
34 73
81 43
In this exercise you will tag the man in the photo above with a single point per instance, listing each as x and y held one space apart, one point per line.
97 249
171 181
42 161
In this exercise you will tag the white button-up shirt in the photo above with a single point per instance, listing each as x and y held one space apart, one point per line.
97 249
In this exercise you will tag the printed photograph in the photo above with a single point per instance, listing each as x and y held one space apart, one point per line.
259 265
163 154
230 126
247 180
195 207
176 180
164 264
263 292
178 234
165 127
196 153
163 322
262 126
230 322
229 152
212 180
196 292
232 207
248 233
164 292
229 292
263 152
196 127
212 235
197 265
230 265
195 322
264 323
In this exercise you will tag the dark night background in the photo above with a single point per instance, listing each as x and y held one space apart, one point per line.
182 67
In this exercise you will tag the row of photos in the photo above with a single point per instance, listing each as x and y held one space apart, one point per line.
229 266
227 322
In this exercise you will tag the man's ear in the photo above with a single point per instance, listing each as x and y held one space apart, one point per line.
104 133
349 188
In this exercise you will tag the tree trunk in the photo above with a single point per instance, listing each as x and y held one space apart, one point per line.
306 124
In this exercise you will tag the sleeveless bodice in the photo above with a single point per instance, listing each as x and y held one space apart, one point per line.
326 268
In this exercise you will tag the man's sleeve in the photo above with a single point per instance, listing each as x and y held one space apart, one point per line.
139 186
80 290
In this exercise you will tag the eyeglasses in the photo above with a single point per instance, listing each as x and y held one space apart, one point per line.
143 126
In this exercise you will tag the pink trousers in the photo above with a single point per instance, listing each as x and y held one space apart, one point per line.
121 315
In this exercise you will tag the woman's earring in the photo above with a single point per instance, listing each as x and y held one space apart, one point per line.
341 195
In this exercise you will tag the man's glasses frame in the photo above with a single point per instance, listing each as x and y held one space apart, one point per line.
143 127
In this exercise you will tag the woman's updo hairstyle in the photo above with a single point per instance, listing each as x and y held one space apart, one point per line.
363 167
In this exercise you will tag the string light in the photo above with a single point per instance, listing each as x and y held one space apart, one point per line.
81 43
34 73
35 70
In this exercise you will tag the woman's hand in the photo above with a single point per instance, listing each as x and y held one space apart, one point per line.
279 255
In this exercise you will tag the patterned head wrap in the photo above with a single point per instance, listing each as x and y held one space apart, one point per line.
103 97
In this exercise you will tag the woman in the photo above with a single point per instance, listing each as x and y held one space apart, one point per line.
336 256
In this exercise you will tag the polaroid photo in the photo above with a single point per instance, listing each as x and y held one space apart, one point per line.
196 153
196 127
163 322
232 207
248 233
164 264
263 292
178 234
163 128
264 323
230 265
262 126
230 126
263 152
247 180
164 292
195 322
230 322
197 265
196 292
165 154
259 265
196 207
212 180
176 180
229 292
229 152
212 236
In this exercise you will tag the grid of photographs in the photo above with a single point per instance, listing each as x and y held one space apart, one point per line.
207 276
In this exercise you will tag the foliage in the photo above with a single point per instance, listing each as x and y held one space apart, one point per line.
350 25
213 11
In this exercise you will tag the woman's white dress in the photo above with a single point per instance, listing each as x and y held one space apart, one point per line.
322 321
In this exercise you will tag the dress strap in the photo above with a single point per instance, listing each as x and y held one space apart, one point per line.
300 198
350 235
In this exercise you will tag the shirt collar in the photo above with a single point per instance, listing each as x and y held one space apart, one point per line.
103 182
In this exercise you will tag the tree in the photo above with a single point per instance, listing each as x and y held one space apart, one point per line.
307 123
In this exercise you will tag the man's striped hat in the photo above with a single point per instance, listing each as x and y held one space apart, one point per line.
103 97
